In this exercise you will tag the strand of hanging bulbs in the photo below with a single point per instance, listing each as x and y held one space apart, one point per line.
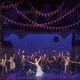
74 25
46 14
62 17
10 6
46 23
51 22
42 26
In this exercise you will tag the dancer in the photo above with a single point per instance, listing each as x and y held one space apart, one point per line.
45 63
53 63
12 63
3 64
39 71
22 58
66 64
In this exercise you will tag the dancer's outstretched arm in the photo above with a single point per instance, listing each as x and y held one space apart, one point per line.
30 62
19 54
39 59
5 57
50 61
63 57
14 56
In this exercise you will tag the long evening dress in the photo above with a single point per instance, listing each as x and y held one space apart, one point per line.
39 71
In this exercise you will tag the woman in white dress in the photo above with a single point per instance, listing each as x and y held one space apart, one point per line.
39 71
12 63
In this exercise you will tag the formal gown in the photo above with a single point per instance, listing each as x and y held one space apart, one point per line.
12 64
39 71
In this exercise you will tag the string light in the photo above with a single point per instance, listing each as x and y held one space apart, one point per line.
20 13
62 17
43 27
10 6
51 22
46 23
46 14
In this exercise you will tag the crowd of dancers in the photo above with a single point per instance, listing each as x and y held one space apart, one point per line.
35 64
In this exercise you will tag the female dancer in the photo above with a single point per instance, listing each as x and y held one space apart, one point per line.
66 60
12 63
3 64
39 71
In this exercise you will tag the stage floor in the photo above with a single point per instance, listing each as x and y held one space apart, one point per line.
50 76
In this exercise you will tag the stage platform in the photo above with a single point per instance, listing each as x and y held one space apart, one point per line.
50 76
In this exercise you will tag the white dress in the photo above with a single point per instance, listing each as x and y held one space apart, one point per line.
39 70
12 64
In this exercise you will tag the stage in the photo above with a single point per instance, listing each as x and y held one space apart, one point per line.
40 38
50 76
